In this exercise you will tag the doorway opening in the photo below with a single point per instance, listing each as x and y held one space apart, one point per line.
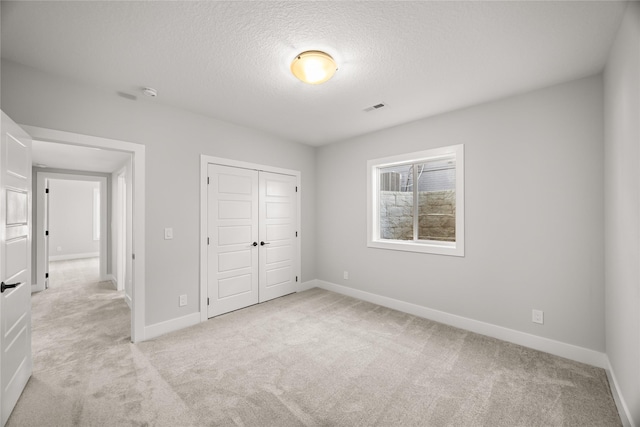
125 193
71 224
75 235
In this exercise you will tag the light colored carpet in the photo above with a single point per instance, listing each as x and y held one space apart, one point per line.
314 358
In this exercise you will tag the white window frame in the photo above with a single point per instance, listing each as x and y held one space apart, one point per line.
373 206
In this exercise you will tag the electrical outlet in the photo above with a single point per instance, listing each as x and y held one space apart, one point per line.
537 316
183 300
345 275
168 233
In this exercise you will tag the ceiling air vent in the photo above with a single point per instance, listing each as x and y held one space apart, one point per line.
375 107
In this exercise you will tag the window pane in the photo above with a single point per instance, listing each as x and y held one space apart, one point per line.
396 202
437 200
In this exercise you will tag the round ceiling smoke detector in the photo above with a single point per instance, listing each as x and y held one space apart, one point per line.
149 91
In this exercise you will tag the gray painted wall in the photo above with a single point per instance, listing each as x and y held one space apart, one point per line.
71 218
535 158
622 208
174 140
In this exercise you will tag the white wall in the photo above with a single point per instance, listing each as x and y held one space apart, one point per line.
534 216
71 219
174 140
622 209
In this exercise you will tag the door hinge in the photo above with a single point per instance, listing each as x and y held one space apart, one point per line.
207 180
296 188
207 240
46 190
207 301
133 256
46 233
296 234
296 278
46 275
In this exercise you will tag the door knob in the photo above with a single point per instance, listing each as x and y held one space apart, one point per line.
4 286
255 244
263 243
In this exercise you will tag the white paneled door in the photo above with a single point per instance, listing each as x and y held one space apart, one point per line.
233 239
278 221
251 232
15 261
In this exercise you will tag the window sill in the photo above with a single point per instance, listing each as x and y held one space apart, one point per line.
431 247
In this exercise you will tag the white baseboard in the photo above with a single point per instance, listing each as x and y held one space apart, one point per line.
110 278
74 256
305 286
569 351
623 409
172 325
165 327
127 299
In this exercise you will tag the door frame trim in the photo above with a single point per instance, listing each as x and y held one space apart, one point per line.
121 219
137 152
205 160
41 176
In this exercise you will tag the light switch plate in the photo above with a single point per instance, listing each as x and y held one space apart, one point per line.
168 233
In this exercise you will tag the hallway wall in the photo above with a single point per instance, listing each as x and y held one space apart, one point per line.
71 220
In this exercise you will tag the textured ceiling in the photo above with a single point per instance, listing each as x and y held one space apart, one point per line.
230 60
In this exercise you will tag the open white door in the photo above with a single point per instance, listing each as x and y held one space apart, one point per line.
45 247
40 235
15 264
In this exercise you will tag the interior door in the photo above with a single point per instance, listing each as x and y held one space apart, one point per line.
46 235
15 263
278 223
232 281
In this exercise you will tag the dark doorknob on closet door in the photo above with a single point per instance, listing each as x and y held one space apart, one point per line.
263 243
255 243
4 286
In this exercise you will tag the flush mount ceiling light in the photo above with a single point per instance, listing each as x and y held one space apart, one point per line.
313 67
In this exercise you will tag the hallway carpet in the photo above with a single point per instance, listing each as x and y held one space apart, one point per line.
315 358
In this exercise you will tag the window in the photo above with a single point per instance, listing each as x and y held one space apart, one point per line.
416 202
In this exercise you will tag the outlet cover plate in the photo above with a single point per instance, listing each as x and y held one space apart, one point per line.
183 300
537 316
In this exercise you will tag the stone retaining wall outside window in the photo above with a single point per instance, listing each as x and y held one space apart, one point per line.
436 215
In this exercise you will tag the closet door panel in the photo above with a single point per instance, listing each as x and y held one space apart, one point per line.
278 221
233 269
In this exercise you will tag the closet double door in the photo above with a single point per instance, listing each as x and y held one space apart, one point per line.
252 237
